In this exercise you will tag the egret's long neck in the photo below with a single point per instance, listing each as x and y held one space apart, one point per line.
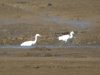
71 35
35 39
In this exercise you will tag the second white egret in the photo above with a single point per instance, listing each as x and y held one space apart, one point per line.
66 37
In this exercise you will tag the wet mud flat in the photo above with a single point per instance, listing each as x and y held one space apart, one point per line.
49 61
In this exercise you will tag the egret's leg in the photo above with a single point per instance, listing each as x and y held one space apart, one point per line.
36 46
65 43
61 44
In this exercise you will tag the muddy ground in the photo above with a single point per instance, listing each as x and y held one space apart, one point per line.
20 20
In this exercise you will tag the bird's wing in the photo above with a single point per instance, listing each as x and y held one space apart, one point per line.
27 42
63 36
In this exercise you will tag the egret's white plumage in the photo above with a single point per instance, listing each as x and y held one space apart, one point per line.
66 37
30 43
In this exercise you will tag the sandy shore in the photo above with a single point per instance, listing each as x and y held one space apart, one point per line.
49 65
44 61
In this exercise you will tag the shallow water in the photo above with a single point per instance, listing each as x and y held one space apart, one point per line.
51 46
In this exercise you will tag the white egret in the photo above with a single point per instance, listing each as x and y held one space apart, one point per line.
30 43
66 37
